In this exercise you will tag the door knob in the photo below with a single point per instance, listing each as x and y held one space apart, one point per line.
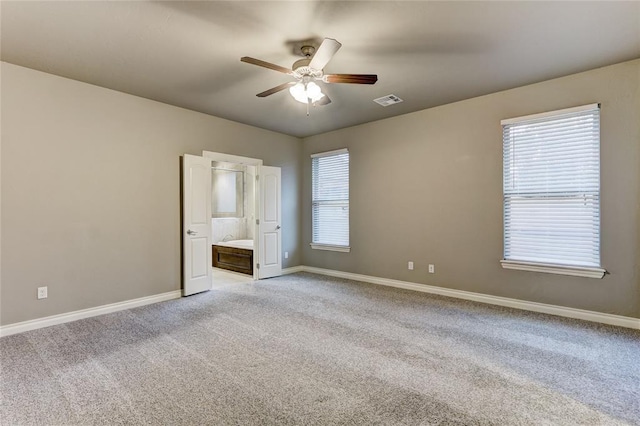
190 232
278 227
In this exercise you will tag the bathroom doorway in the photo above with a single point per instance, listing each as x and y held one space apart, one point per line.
233 216
231 219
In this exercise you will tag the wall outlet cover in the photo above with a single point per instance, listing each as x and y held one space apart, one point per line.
42 293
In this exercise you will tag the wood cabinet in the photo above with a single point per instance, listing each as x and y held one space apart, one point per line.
233 259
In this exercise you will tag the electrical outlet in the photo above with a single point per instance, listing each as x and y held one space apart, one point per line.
42 293
410 266
432 269
286 254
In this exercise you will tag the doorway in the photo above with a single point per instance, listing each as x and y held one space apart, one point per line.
231 213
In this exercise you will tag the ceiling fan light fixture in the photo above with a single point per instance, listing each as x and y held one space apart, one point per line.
298 93
311 92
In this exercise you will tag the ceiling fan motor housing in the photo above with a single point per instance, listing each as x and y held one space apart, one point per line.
301 68
307 51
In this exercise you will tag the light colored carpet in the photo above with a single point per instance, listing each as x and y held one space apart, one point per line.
307 349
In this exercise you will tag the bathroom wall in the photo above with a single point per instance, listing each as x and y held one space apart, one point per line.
231 227
238 228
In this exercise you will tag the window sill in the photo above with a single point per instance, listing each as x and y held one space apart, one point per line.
576 271
344 249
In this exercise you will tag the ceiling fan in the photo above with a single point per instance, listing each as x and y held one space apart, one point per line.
310 69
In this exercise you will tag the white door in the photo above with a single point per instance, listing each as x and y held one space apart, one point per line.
269 235
196 225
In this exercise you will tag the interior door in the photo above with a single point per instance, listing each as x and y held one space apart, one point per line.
196 225
270 239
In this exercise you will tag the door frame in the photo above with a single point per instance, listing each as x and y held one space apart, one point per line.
247 161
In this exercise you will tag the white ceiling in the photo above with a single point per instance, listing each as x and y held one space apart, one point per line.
428 53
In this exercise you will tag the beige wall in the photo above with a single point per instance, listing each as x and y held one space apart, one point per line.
91 191
427 187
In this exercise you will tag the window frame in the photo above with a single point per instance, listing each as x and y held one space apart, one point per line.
324 246
553 268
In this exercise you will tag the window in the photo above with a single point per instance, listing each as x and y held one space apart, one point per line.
552 192
330 200
227 192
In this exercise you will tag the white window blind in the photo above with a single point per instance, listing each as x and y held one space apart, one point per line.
330 198
552 187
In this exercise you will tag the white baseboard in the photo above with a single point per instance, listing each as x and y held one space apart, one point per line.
292 270
562 311
19 327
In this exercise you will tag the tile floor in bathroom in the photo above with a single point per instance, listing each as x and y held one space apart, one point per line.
222 278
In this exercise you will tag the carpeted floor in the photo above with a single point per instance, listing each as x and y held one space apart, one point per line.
306 349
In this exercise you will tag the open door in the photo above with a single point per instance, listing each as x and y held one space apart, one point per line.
270 240
196 225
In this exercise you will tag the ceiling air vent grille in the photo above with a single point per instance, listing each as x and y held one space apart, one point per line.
388 100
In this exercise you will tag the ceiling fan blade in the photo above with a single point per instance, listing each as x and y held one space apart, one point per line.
351 78
269 65
325 52
275 89
325 100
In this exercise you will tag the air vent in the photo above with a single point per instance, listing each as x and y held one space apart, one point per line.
388 100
